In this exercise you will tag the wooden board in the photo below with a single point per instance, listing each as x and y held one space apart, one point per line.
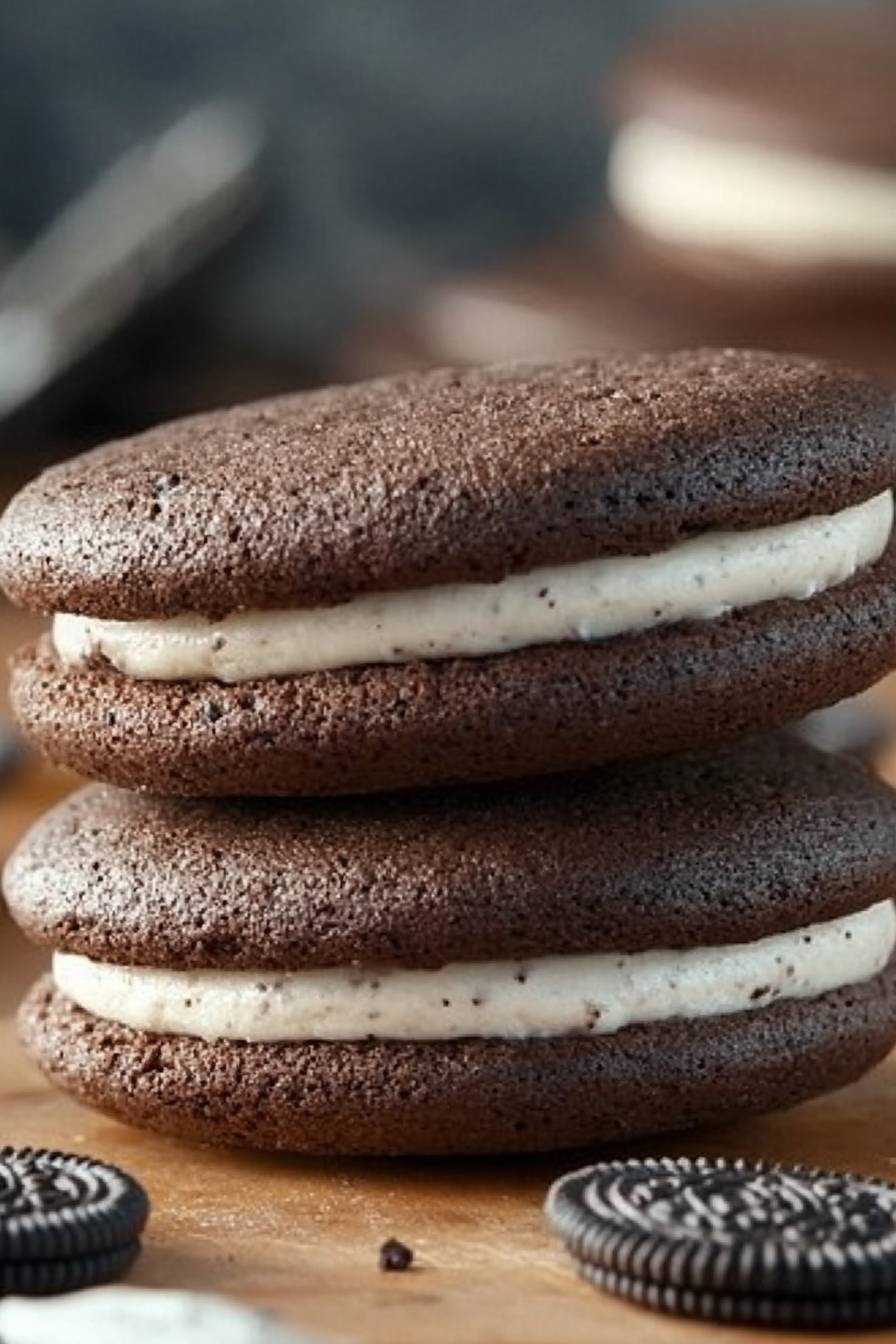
301 1237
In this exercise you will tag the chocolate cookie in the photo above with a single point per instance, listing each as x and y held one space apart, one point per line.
66 1221
560 962
790 109
398 1097
735 1241
727 847
460 575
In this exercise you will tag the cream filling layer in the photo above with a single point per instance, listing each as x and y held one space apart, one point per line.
696 580
693 189
547 996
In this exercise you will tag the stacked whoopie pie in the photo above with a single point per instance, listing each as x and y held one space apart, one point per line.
369 675
754 166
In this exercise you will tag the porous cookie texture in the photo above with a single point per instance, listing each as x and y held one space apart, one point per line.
452 475
692 851
467 1096
536 711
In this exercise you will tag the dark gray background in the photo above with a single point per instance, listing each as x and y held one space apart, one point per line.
403 134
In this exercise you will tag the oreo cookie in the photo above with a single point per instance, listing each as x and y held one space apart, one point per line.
34 1278
66 1221
742 1309
735 1241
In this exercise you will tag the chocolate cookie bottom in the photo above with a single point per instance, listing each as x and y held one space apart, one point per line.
470 1096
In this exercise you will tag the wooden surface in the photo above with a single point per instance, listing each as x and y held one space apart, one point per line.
301 1237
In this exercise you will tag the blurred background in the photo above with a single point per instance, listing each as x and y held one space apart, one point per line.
271 194
396 140
207 200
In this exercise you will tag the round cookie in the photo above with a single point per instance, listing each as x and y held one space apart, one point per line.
790 108
460 575
69 1274
396 1097
66 1221
567 961
820 1233
508 871
735 1241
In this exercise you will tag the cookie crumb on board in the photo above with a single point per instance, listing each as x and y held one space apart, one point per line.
395 1256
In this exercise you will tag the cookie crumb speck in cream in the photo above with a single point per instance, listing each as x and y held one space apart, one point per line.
698 579
545 996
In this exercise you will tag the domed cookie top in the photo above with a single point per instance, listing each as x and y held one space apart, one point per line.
447 476
703 849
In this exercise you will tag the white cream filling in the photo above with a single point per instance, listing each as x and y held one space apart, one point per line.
595 599
546 996
694 189
140 1316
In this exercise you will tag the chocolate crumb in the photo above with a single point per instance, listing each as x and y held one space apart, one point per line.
395 1256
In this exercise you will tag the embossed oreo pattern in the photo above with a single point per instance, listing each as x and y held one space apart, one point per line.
56 1207
726 1229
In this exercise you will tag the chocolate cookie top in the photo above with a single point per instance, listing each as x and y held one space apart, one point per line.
801 76
440 477
699 850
